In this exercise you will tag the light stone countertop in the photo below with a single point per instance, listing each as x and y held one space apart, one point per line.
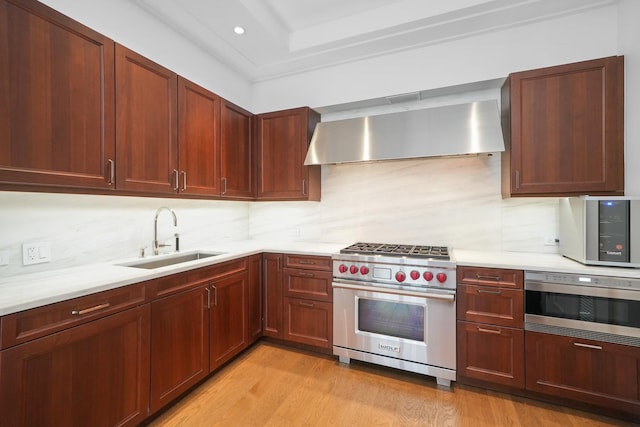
553 263
22 292
25 291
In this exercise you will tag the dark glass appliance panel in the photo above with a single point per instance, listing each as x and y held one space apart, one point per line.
613 233
583 307
391 319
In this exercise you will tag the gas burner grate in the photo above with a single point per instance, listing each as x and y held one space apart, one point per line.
415 251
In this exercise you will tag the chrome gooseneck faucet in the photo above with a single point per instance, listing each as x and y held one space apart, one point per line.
156 245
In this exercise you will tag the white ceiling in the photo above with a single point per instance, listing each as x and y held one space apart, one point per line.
284 37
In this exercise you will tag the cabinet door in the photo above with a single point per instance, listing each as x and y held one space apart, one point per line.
179 344
57 102
272 321
283 139
491 353
592 372
308 322
566 129
255 298
229 303
146 124
96 374
199 139
237 153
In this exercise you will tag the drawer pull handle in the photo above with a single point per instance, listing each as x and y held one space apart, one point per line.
306 304
489 331
305 274
494 278
89 310
485 291
593 347
302 261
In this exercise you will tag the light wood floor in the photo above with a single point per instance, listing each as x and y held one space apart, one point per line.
270 385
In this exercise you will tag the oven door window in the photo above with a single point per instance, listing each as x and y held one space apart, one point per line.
392 319
582 307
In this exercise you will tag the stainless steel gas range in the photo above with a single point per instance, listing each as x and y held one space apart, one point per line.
395 305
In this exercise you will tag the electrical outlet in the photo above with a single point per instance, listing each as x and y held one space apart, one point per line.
550 241
36 253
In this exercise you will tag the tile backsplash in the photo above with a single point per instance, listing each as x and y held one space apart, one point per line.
440 201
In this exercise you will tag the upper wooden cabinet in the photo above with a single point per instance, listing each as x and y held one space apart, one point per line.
146 124
283 139
56 107
238 177
199 139
565 126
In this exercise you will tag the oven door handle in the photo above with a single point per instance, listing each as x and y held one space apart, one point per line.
450 297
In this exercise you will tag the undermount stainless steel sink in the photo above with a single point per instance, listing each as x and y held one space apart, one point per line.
170 260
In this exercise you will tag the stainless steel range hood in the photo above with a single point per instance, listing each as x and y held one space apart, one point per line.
453 130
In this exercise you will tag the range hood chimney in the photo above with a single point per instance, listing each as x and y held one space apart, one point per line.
453 130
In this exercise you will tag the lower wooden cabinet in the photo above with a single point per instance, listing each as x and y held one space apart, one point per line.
491 353
95 374
228 316
594 372
179 344
308 322
272 295
298 299
255 299
490 335
308 300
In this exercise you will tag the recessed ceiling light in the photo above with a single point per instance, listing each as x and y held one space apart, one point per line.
238 29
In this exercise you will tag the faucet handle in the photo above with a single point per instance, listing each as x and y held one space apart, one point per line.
142 250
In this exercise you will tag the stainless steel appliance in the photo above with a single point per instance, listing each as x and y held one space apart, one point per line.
450 130
395 305
590 307
601 230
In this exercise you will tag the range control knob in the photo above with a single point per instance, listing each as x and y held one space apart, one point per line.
364 270
400 276
415 275
428 276
353 269
441 277
342 268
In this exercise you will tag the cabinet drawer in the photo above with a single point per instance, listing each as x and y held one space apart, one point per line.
178 282
30 324
308 322
490 277
308 261
308 284
491 353
496 306
592 372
